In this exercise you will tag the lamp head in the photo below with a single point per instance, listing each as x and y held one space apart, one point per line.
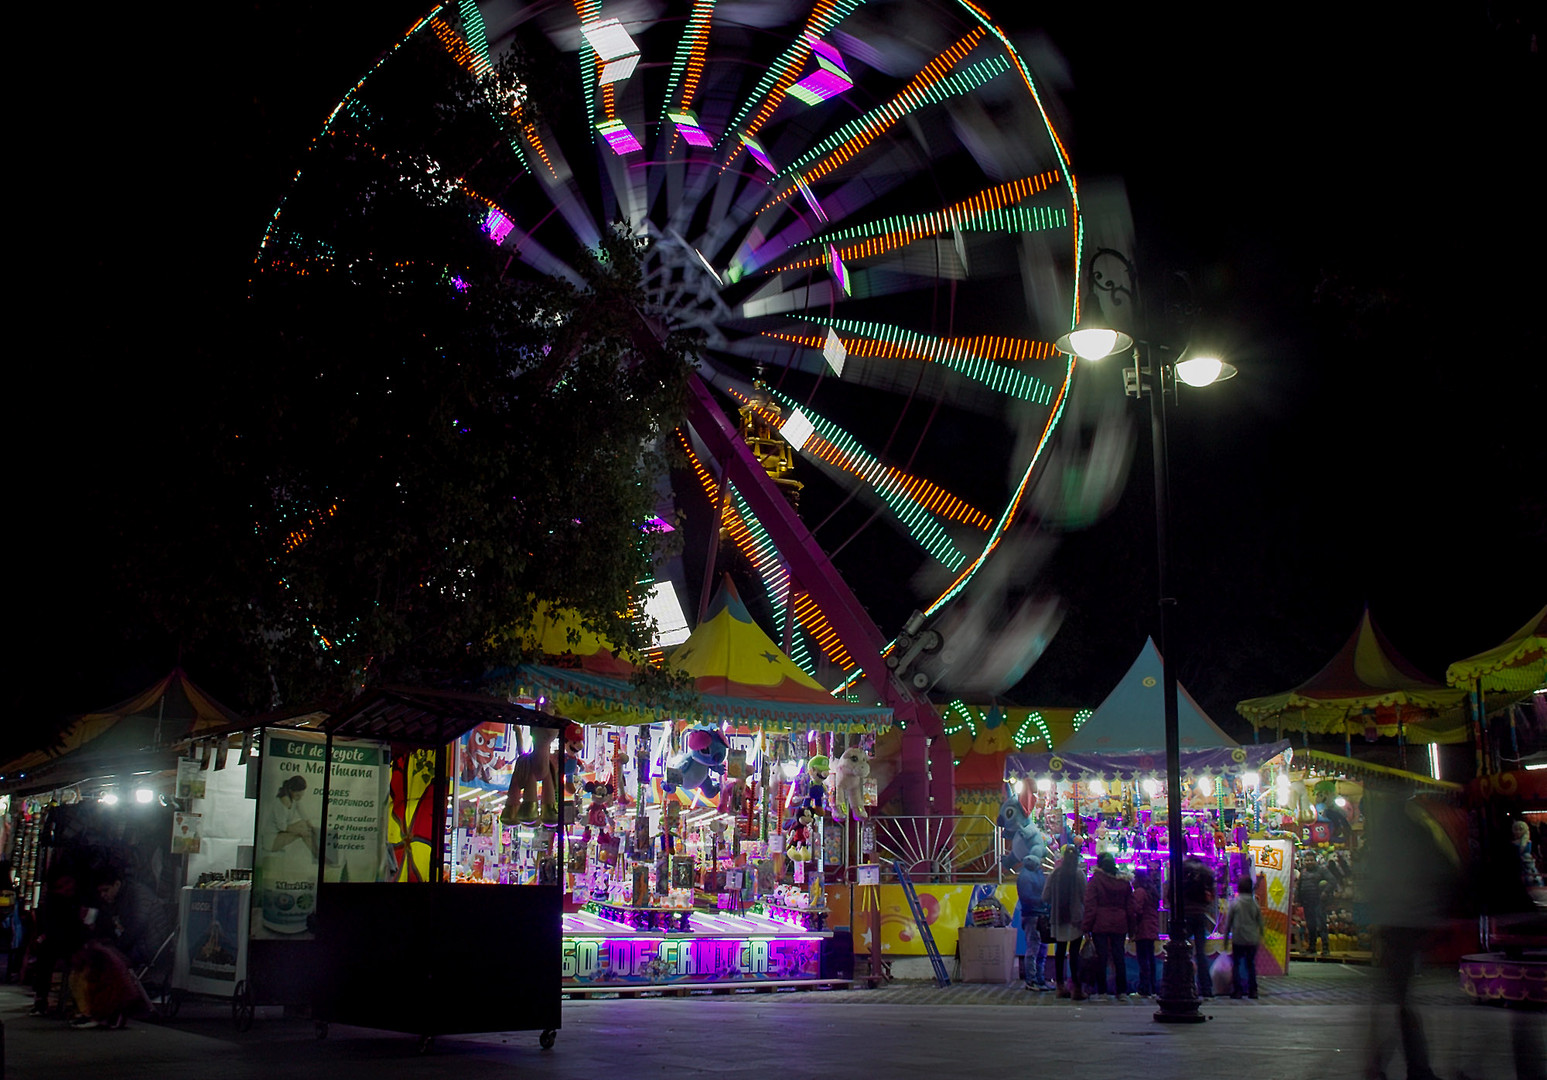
1091 340
1204 370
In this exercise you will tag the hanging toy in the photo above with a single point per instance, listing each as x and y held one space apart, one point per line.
703 755
534 770
848 784
807 788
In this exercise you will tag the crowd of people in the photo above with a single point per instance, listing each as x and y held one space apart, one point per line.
1097 915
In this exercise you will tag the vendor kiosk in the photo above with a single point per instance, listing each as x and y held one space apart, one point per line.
390 951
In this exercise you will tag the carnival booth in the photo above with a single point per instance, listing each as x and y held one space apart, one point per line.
391 945
1104 790
101 798
698 830
1507 688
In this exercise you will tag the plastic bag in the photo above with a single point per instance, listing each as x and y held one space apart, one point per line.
1222 972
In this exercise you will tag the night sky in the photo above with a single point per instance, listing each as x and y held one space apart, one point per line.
1351 190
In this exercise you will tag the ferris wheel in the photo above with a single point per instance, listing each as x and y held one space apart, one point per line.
864 210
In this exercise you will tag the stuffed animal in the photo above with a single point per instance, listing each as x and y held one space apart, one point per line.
1520 833
798 843
807 788
704 751
1023 841
848 784
574 746
1300 798
537 768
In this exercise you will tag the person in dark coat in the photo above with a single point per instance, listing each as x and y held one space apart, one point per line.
1201 899
1145 910
1065 894
1108 919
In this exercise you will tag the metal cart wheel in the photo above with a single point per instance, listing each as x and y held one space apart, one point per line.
172 1005
425 1042
242 1006
322 1029
545 1040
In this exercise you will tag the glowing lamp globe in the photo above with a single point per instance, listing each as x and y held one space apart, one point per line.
1204 370
1091 341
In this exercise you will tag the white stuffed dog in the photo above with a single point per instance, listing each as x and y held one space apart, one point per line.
847 783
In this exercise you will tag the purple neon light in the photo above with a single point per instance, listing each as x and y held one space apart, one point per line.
755 148
820 85
619 137
687 127
840 272
498 226
458 284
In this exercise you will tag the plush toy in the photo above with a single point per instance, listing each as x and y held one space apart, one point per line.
533 769
848 784
574 746
1023 841
798 843
1529 874
1300 798
704 751
807 788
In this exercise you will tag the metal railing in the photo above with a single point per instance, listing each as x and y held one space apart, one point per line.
962 848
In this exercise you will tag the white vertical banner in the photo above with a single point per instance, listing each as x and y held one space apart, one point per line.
288 840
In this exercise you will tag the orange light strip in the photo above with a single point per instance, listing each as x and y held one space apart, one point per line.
456 45
991 347
933 72
920 491
807 614
931 224
819 16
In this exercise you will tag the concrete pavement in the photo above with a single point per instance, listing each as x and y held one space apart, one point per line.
1311 1026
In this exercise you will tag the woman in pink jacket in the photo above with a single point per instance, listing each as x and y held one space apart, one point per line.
1108 899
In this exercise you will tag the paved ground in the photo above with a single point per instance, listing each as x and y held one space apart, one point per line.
1312 1025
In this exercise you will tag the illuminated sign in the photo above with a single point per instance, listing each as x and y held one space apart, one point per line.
592 961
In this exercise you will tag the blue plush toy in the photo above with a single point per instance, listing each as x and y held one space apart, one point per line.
1024 843
704 751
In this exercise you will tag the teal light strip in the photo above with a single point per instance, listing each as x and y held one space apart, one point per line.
797 51
879 119
475 35
1000 219
998 377
924 527
698 26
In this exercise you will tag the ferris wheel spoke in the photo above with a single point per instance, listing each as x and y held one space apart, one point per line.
781 74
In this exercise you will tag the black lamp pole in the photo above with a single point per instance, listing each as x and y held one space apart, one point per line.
1178 985
1154 374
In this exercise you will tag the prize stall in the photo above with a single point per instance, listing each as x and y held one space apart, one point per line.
696 847
1104 789
1369 690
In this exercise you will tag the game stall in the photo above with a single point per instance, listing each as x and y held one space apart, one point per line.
696 847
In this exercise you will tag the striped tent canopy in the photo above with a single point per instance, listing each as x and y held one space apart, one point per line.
1367 688
1511 670
112 740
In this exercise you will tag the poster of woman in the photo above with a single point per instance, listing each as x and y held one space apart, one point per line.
289 839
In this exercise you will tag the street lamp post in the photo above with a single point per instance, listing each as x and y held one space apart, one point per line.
1155 372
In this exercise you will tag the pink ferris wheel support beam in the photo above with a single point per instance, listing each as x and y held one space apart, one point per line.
926 777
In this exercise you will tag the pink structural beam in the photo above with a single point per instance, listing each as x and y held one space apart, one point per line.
924 734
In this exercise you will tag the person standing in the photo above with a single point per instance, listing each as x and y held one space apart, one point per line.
1202 909
1029 883
1108 919
1314 888
1145 909
1065 894
1244 929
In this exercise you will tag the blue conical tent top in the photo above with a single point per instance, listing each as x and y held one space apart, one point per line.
1133 716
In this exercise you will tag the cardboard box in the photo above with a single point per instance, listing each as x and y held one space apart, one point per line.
987 954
